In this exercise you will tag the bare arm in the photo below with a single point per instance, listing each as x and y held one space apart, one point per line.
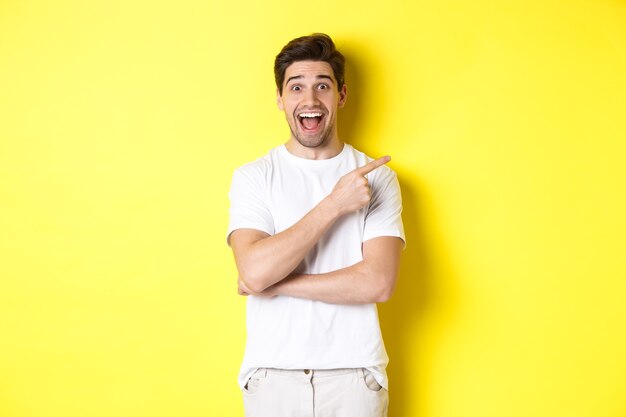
370 281
264 260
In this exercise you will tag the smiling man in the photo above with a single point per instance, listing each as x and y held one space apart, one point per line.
316 231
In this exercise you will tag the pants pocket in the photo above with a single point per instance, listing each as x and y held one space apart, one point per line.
370 381
254 383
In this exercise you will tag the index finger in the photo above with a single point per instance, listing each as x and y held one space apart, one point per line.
366 169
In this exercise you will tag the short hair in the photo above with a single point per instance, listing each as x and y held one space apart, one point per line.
315 47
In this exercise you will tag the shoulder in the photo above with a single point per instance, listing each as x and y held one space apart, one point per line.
260 167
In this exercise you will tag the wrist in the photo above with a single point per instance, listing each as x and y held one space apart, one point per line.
330 207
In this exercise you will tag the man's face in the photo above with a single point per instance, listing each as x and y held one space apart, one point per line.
310 101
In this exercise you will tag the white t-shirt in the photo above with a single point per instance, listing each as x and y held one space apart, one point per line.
271 194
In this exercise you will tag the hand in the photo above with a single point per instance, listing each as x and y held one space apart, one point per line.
352 191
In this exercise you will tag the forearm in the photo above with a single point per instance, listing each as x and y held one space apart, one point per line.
264 262
352 285
370 281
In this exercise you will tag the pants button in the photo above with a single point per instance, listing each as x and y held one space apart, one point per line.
307 371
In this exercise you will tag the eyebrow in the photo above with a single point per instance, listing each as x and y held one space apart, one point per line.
323 76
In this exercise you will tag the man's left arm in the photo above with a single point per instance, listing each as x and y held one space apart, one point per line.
371 280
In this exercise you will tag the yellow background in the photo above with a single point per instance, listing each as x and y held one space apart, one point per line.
121 123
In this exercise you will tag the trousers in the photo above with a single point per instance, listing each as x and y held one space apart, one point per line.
351 392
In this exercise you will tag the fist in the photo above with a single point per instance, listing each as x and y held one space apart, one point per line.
352 191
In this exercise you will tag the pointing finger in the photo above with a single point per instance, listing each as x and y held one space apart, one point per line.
366 169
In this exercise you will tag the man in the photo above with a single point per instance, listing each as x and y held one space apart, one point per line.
316 231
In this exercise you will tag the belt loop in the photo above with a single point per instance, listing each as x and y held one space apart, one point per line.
360 372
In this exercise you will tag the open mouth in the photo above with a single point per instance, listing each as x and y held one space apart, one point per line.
310 121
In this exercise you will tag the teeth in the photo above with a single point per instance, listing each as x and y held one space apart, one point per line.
310 115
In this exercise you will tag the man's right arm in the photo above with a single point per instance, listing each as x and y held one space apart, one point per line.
264 260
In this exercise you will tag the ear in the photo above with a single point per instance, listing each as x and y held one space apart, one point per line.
279 100
343 95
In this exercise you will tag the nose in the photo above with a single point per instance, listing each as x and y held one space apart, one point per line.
310 97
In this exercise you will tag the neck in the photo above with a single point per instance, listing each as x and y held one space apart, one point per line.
325 151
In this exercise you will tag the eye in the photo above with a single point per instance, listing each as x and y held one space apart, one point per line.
296 88
323 86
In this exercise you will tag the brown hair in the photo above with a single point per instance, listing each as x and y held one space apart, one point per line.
315 47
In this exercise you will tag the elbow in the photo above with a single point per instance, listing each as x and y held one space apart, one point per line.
385 289
383 295
254 283
258 281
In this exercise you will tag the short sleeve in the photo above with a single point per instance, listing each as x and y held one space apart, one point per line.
248 203
384 215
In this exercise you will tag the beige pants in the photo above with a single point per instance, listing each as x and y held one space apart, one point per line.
314 393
